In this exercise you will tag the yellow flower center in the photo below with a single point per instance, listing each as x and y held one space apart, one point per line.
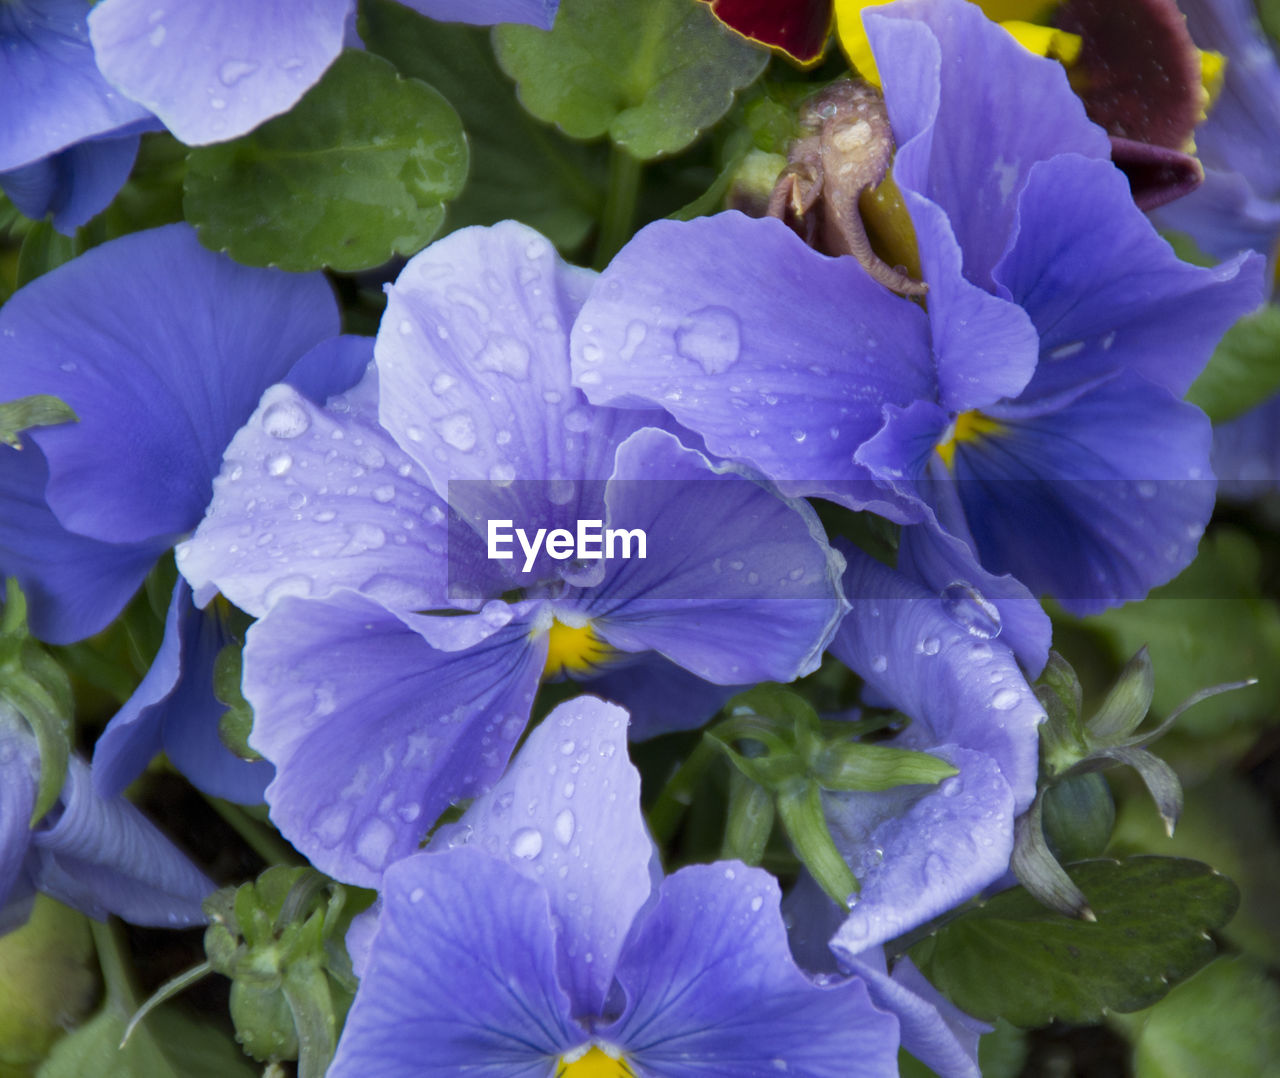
574 650
595 1064
968 427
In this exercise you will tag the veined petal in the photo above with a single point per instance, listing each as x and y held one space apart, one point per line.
919 851
934 1029
776 355
74 586
162 349
19 774
958 689
540 13
950 72
373 728
567 807
737 585
311 500
1105 291
460 978
712 990
103 856
174 710
54 94
74 184
1095 497
213 72
660 696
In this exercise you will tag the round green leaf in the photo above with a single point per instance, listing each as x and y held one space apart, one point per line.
1012 958
651 75
357 171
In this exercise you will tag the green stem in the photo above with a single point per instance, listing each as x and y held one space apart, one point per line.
262 840
619 205
677 795
114 966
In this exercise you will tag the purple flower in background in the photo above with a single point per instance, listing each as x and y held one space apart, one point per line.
1033 410
378 693
100 856
67 138
569 954
162 349
1238 206
920 851
213 72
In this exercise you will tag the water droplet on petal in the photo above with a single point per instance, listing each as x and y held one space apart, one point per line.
564 827
279 463
285 419
970 610
458 430
526 843
504 355
880 664
711 337
1005 699
233 71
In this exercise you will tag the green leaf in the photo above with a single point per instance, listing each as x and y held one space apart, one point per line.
520 168
236 723
1245 368
44 249
652 75
1011 958
1208 626
1224 1020
357 171
40 410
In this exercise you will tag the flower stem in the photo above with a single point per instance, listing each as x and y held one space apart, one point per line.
259 838
619 206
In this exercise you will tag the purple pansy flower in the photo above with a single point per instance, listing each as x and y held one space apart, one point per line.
920 851
377 709
162 349
213 72
1045 374
571 955
97 855
67 138
1238 206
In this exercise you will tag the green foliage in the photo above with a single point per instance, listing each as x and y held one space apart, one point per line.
652 76
40 410
1245 368
1012 958
44 248
357 171
520 168
1208 626
1223 1021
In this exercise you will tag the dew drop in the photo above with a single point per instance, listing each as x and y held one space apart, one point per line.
442 383
711 337
458 430
526 843
279 463
233 71
970 610
564 827
880 664
504 355
285 419
1005 699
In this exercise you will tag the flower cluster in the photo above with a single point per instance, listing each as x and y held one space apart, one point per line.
852 446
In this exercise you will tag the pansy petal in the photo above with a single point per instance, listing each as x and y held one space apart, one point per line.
737 585
776 355
1240 134
74 184
373 730
985 347
1105 291
1094 499
918 851
660 696
333 366
712 990
315 499
174 709
19 773
1224 216
568 805
54 94
213 72
162 349
983 604
949 71
799 28
499 1011
957 688
103 856
540 13
1246 452
934 1029
74 586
